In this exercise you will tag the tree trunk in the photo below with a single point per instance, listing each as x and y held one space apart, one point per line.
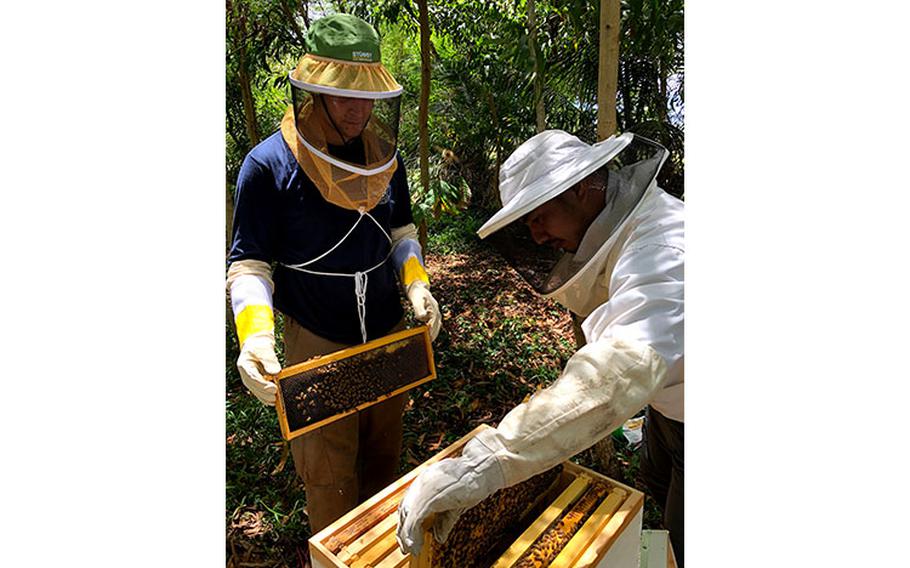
291 17
236 16
422 235
243 75
625 93
306 13
539 110
249 107
662 114
608 69
424 108
229 218
607 76
494 181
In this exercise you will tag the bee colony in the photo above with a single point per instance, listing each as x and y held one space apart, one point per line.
326 388
567 516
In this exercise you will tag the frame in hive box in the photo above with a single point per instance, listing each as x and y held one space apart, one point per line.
610 535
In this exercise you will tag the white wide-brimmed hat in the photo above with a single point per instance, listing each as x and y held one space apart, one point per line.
544 166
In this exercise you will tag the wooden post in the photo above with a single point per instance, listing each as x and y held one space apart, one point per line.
607 76
608 68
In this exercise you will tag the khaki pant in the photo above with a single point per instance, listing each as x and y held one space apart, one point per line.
345 462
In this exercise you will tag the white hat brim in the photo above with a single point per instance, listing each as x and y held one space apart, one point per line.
555 182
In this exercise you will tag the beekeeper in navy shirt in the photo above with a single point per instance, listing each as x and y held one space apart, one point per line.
325 201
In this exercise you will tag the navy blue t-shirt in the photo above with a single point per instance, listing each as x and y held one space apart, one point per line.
279 215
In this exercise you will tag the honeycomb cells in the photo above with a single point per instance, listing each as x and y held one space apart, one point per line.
548 546
342 385
481 528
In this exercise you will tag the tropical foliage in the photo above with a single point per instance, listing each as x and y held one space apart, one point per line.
482 92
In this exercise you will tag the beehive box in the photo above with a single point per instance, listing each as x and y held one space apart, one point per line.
608 535
326 388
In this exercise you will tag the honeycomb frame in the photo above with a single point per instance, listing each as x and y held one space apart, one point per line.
298 405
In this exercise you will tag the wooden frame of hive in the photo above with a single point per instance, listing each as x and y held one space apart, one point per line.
323 360
365 536
368 531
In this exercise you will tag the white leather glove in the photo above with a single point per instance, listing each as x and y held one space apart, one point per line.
426 309
447 488
257 356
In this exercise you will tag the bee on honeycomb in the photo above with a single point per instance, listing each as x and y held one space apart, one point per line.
481 528
548 546
340 386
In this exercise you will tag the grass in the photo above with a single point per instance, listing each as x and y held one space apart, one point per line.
500 342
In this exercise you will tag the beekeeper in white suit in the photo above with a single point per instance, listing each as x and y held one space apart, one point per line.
588 227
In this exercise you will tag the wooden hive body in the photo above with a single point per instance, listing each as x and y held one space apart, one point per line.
365 536
365 529
329 387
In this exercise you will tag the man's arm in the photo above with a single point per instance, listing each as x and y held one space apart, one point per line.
406 254
606 382
249 279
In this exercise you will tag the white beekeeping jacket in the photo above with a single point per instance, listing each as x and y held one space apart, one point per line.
626 279
633 288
